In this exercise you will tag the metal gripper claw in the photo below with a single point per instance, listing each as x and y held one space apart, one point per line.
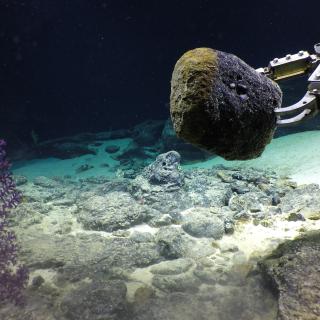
307 108
291 66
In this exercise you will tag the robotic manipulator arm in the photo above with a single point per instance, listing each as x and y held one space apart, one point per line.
293 66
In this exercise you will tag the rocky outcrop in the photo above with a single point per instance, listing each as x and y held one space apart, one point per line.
116 210
293 271
154 246
165 170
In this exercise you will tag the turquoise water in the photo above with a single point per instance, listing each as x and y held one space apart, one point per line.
295 155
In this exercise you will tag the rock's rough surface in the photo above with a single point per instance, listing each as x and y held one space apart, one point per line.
144 249
113 211
172 267
302 202
96 301
293 269
174 243
165 169
212 227
222 105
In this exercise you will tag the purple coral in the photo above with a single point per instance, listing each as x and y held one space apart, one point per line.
13 276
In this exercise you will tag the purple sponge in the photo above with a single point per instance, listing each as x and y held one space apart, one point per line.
13 276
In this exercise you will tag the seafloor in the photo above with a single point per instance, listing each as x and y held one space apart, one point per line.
116 225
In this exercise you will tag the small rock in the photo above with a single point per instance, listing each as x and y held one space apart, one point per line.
37 281
162 220
296 216
20 180
83 168
238 176
143 294
275 199
266 223
229 226
242 215
44 182
239 189
228 247
142 237
223 176
112 149
104 165
205 227
121 233
173 242
176 266
97 144
184 282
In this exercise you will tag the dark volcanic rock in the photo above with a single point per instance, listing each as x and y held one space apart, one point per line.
222 105
165 170
293 270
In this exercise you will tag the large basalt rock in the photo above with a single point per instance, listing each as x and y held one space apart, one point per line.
293 271
222 105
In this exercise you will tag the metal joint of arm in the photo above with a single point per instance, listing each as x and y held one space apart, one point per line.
292 66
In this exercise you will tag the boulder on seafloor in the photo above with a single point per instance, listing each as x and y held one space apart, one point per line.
165 169
221 104
293 271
